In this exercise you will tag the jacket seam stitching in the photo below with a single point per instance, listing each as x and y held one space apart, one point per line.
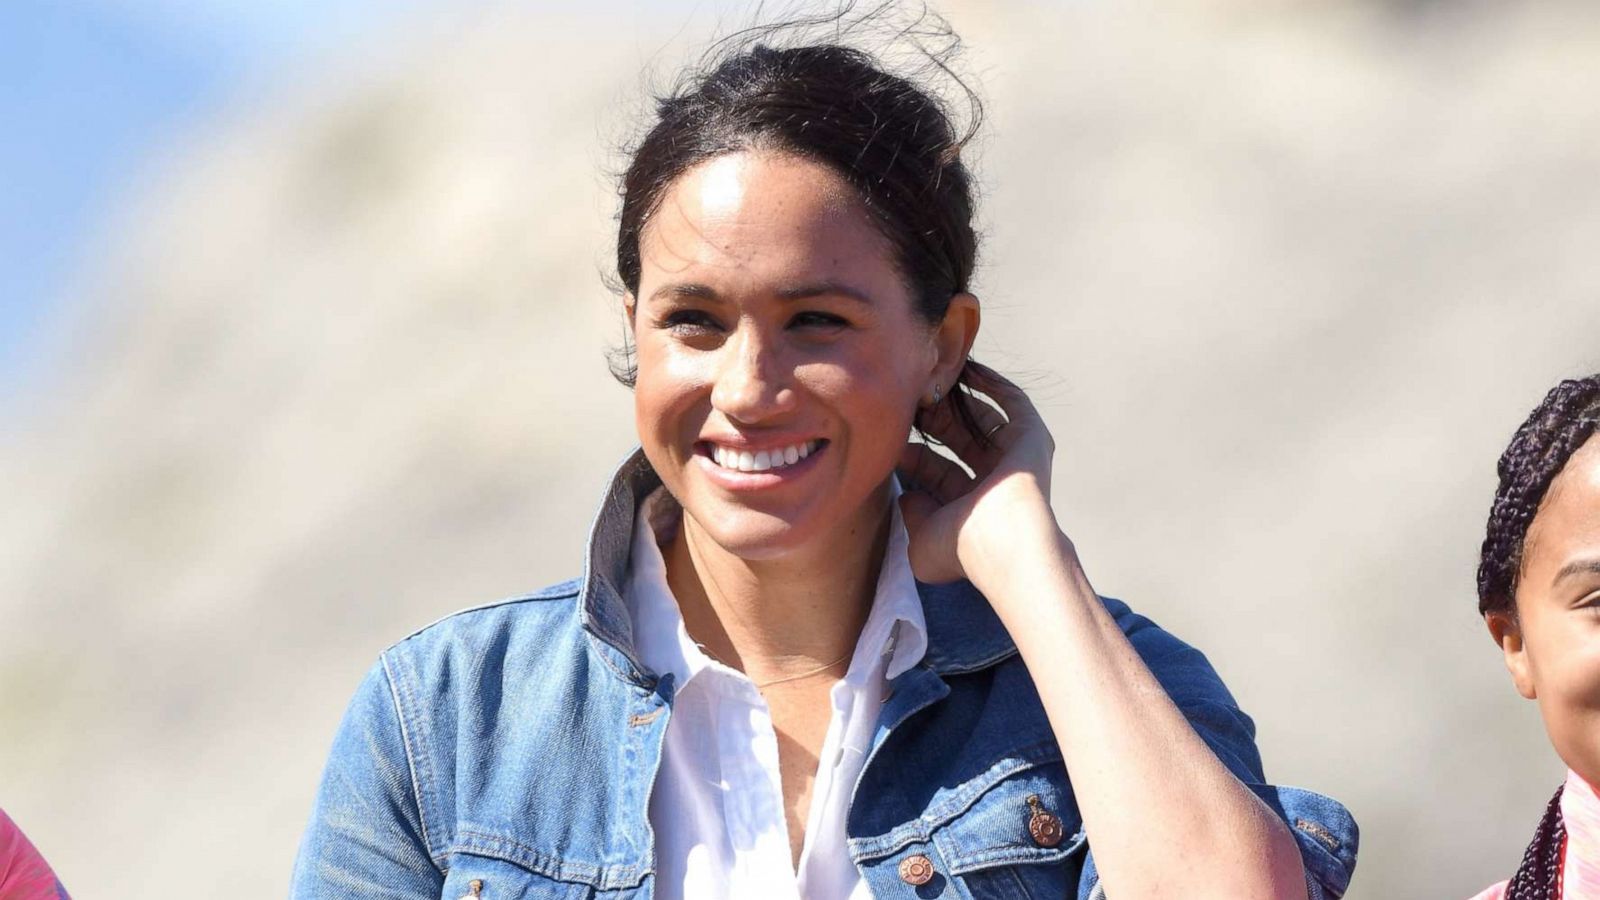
1016 878
968 668
395 690
625 675
600 877
981 859
564 590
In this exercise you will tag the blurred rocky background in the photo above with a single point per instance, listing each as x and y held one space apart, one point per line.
1283 278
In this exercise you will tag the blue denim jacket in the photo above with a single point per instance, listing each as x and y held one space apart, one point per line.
513 746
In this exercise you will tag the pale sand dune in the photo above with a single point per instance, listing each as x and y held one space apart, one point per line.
1283 282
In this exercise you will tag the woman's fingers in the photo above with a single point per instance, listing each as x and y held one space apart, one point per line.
935 474
1000 411
1025 427
943 424
1011 399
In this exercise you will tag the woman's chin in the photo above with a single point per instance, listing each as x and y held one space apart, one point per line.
754 534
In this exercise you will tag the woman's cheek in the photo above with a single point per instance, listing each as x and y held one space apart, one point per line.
827 380
1584 672
872 382
1568 680
672 378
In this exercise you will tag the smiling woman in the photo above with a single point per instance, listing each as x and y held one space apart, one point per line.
776 321
809 656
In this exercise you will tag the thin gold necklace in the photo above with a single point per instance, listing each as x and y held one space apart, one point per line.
818 670
763 684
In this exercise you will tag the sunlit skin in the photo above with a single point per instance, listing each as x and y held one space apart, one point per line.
770 311
1552 643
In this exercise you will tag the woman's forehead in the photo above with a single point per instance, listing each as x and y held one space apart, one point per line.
762 209
1567 526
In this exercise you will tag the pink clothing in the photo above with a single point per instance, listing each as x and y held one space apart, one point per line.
24 875
1580 862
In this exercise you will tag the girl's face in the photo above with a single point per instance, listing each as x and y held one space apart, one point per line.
780 359
1552 644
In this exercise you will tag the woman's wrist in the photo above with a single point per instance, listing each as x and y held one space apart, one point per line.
1022 542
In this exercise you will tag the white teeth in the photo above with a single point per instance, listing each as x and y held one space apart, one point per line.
761 460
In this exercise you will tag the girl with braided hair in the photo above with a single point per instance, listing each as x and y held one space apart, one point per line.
1539 593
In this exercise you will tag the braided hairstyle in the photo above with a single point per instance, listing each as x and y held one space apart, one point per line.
1557 427
1539 876
1568 416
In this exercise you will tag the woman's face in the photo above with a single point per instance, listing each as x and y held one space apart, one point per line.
780 360
1552 646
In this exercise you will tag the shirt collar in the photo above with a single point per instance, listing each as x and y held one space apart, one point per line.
1580 813
663 643
894 627
896 622
959 631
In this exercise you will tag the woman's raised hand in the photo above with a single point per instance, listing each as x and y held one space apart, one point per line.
963 526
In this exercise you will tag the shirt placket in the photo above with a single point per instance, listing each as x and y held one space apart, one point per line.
748 746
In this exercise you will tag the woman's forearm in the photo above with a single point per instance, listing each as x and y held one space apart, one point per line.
1164 816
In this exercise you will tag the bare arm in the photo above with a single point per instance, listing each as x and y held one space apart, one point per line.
1164 816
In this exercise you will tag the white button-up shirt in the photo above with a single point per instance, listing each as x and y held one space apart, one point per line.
717 803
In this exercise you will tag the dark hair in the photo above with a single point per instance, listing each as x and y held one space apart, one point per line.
1539 875
1557 427
890 140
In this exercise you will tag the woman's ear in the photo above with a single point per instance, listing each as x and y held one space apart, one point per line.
952 339
1507 632
629 307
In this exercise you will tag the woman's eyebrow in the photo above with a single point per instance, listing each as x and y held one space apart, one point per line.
821 288
697 291
689 290
1589 566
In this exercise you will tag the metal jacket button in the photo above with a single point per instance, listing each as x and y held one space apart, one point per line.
916 870
1043 826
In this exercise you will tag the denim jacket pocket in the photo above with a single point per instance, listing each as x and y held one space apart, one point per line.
991 849
474 877
977 839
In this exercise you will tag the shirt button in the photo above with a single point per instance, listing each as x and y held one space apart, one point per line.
916 870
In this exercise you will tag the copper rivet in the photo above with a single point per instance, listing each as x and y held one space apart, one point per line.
916 870
1043 826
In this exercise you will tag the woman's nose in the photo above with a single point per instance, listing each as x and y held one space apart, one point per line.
754 383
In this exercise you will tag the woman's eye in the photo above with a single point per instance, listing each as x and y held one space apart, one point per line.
818 320
689 322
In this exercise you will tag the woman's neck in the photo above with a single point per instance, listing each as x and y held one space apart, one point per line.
772 618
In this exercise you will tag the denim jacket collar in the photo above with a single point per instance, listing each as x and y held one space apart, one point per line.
964 634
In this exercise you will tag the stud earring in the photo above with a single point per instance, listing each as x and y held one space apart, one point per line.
937 396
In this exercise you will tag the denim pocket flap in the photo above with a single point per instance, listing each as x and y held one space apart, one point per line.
488 878
1021 811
